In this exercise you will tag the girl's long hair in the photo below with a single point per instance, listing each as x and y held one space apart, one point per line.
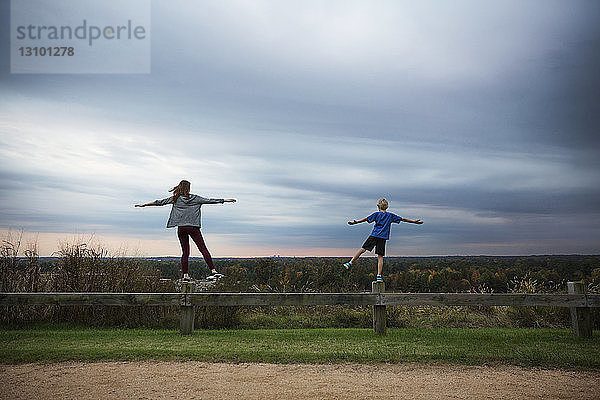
183 189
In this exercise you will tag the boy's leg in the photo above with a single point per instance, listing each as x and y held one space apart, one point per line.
367 246
358 254
379 264
380 251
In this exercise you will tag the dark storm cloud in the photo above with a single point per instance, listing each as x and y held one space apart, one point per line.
477 200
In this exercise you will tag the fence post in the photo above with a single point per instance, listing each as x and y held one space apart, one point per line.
378 310
581 317
186 322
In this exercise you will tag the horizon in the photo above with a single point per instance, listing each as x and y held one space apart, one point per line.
95 242
374 257
481 119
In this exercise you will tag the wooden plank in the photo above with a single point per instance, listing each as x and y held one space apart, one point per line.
581 317
483 299
186 320
301 299
282 299
91 299
379 315
593 300
187 315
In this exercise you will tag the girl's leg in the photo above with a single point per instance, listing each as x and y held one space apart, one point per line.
199 240
185 248
379 264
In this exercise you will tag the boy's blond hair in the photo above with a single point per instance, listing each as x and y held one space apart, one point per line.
382 204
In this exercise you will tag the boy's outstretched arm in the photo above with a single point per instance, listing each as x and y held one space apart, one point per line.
416 221
357 222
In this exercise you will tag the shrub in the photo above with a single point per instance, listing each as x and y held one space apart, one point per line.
82 268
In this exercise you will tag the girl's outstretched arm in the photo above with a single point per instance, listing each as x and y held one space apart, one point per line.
163 202
144 205
203 200
357 222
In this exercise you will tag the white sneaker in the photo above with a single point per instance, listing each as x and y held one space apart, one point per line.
215 276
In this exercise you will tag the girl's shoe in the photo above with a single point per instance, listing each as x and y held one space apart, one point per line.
347 265
379 279
214 277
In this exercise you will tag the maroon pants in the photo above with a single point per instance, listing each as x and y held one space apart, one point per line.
184 232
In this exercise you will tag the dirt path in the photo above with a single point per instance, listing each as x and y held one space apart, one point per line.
198 380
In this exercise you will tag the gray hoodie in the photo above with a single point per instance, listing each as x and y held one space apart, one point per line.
186 210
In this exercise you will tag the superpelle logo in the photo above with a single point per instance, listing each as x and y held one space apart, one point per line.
80 36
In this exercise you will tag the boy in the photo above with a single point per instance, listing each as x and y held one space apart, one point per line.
381 233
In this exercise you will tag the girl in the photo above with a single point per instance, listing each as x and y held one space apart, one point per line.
185 215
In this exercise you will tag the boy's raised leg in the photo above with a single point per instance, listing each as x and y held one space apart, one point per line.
358 254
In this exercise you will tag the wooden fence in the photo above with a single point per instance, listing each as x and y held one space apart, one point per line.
577 300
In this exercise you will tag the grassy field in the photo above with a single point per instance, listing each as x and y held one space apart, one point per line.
549 348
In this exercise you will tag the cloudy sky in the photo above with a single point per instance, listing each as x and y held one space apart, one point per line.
481 118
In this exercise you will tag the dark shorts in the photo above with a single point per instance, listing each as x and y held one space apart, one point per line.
376 242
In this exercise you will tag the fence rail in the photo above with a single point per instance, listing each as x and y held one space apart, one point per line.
299 299
490 299
90 299
577 300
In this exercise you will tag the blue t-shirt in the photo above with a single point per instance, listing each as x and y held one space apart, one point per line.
383 221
